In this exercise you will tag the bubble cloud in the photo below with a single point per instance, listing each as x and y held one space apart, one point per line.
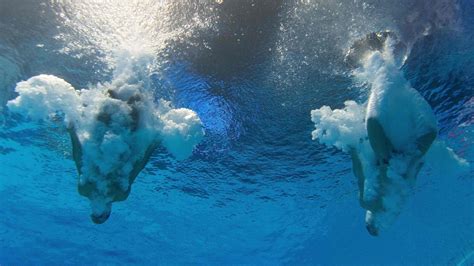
114 129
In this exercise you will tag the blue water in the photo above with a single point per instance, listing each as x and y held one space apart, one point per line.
257 189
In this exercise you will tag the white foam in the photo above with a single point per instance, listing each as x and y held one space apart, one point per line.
342 128
43 96
183 130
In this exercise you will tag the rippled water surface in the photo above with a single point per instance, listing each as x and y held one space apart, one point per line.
257 189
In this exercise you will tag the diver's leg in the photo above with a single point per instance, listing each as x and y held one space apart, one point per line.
116 191
423 144
76 149
358 172
374 204
84 187
413 169
382 148
139 165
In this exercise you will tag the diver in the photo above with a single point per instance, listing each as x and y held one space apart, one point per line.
114 129
392 109
114 191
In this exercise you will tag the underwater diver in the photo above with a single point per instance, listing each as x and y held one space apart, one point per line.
387 136
114 128
115 191
392 103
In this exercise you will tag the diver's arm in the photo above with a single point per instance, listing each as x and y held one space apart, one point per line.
379 142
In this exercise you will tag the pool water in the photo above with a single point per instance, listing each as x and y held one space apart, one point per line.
257 190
